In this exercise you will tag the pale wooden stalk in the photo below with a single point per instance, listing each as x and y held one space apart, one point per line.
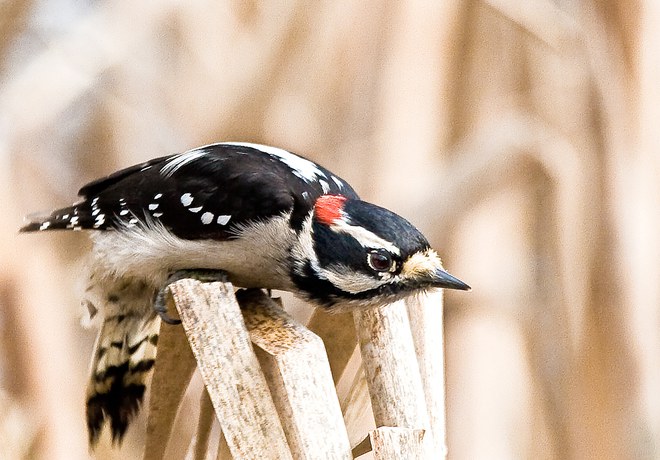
220 342
391 443
390 363
362 447
355 402
338 335
223 449
199 446
174 368
296 365
426 323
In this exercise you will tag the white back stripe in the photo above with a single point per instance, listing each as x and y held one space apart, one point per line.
304 169
182 159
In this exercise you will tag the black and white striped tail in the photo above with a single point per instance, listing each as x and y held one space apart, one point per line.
124 354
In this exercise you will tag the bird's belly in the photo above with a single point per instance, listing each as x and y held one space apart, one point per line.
257 258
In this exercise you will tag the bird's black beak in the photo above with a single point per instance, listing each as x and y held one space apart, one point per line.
444 280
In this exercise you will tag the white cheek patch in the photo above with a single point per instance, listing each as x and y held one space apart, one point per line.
350 281
363 236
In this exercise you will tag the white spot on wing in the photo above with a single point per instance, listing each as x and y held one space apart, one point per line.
325 186
207 218
44 225
222 220
157 214
180 160
133 221
158 195
186 199
305 195
123 212
100 220
96 211
153 206
197 209
301 167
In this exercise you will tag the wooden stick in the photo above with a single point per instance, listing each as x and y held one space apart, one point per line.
168 386
199 446
390 363
356 404
392 443
338 335
223 449
426 324
296 365
363 447
214 325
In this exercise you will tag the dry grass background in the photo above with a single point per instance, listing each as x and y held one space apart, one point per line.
522 137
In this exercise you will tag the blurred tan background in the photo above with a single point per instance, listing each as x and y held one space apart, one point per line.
522 137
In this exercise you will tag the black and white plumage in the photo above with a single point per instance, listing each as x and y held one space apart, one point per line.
266 217
202 193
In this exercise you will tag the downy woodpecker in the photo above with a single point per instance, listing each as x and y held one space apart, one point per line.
264 216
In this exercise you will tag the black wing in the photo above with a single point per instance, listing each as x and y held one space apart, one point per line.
203 193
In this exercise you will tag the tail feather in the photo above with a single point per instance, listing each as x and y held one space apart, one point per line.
88 214
125 354
74 217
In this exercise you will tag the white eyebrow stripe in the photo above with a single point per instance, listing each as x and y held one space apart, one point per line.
180 160
363 236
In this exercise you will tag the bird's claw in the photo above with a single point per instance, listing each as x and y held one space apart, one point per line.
203 275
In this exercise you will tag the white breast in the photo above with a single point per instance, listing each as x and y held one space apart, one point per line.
257 257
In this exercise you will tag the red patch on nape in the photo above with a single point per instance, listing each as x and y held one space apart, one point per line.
328 208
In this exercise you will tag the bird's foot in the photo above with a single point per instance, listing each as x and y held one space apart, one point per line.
202 274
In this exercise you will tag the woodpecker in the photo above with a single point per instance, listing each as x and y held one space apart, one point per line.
264 216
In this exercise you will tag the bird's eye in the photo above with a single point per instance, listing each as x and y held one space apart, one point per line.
380 261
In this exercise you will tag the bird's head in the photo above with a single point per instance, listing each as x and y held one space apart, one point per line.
356 254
